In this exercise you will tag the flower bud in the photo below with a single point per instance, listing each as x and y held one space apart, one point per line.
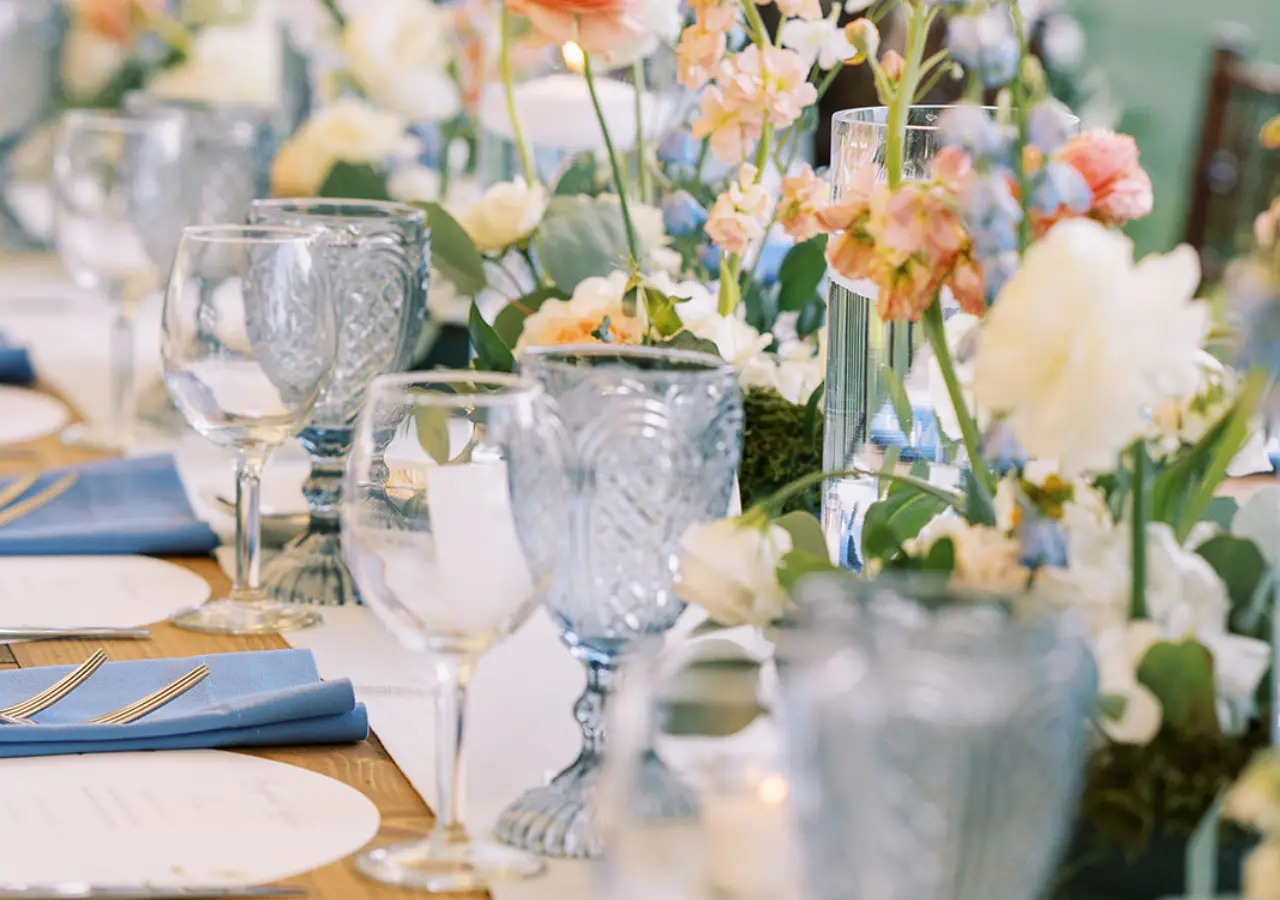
865 38
893 65
1271 134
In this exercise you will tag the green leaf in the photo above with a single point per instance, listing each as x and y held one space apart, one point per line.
579 177
892 454
798 565
687 340
1238 562
355 181
980 508
492 354
510 321
1111 706
897 392
662 311
806 532
581 237
712 697
453 253
812 318
717 720
920 469
803 269
760 303
1222 511
813 415
1181 677
897 519
941 557
432 424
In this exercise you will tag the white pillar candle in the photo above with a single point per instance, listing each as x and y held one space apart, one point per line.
556 111
749 839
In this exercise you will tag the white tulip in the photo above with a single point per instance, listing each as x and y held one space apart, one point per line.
1082 343
507 214
729 568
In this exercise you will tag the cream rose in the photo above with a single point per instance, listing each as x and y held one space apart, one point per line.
507 214
226 65
579 319
729 568
347 131
399 51
986 559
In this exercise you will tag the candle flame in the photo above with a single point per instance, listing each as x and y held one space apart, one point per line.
773 789
574 58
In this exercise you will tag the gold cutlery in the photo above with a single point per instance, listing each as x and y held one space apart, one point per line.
55 691
152 702
11 514
78 891
16 489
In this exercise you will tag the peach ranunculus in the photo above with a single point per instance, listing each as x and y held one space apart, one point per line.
740 214
799 9
1108 162
803 196
597 26
116 20
702 47
582 318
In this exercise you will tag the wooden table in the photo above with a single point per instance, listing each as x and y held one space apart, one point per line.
365 766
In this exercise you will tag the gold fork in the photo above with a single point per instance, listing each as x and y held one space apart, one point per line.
150 703
57 690
11 514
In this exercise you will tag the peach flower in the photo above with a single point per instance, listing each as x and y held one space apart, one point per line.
597 26
1271 134
582 318
732 133
803 196
769 82
1108 162
739 215
116 20
893 65
798 9
701 49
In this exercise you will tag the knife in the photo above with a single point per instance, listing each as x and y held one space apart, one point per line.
78 891
46 634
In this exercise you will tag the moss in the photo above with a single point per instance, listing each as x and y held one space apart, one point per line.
777 449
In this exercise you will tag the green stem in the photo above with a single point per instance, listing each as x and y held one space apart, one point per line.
335 13
643 181
775 500
936 333
918 23
1141 515
504 70
1019 89
633 245
729 291
702 160
755 24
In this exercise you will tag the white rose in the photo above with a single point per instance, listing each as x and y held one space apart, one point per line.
986 559
399 51
88 61
1140 715
349 130
730 569
1262 872
414 183
226 65
1082 343
507 214
1183 590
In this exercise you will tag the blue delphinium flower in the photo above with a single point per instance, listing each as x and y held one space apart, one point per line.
1050 125
1058 185
974 130
1044 543
996 270
987 44
1001 449
682 214
679 148
992 214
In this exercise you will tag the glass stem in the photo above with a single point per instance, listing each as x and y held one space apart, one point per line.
453 674
249 465
124 400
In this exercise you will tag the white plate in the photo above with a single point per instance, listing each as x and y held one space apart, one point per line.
88 591
173 819
26 415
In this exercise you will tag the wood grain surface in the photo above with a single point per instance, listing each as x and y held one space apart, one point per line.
365 766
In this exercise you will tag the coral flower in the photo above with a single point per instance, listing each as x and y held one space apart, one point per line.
701 49
732 133
739 215
116 20
803 196
1108 162
597 26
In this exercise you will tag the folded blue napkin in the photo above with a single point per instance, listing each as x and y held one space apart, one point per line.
15 364
118 506
268 698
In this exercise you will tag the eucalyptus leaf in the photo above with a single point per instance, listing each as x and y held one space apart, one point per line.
806 532
581 237
581 176
432 424
492 354
355 181
1181 677
800 564
453 254
685 718
687 340
897 392
803 269
1222 512
1238 563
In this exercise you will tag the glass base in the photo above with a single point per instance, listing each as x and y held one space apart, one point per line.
311 571
448 866
255 616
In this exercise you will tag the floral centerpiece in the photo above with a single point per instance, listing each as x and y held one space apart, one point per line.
1095 434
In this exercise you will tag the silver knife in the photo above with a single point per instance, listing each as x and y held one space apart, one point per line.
78 891
88 633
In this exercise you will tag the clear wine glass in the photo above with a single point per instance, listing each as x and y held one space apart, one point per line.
452 513
119 211
249 340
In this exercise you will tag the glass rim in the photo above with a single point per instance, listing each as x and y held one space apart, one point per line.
877 116
249 234
373 210
706 363
121 121
157 104
512 388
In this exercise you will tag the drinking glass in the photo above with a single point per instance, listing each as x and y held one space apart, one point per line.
248 340
451 516
119 211
654 436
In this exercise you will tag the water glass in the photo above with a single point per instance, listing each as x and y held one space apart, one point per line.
248 340
451 512
118 182
654 438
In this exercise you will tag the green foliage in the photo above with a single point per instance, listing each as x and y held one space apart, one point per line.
581 237
1184 488
687 340
1181 676
896 519
713 697
1238 563
453 254
805 531
492 354
803 269
897 392
799 564
581 176
354 181
432 425
510 321
777 449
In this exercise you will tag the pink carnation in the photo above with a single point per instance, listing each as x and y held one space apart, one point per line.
1108 162
739 215
803 196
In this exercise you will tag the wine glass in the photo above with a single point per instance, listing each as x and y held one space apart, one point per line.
249 341
119 211
451 519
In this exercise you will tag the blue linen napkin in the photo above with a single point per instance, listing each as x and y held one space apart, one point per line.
15 364
118 506
265 698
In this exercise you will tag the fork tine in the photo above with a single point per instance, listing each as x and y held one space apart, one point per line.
16 489
150 703
57 690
